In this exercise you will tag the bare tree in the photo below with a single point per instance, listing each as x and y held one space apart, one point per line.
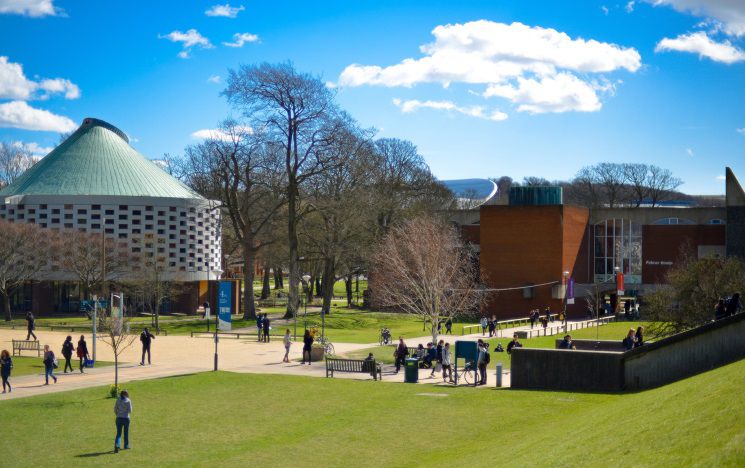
15 159
636 177
661 183
423 268
90 257
114 331
23 254
244 172
297 113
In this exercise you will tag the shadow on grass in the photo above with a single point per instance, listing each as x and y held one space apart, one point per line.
94 454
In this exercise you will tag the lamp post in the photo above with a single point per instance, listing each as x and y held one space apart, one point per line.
565 276
217 273
306 286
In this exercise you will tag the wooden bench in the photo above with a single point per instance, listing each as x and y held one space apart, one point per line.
25 345
358 366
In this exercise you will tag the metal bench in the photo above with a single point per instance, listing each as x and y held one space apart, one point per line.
26 345
358 366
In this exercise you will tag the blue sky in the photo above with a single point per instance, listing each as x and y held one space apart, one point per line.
514 88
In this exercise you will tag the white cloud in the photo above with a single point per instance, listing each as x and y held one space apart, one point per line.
239 39
472 111
604 9
18 114
225 11
213 79
219 134
33 8
188 39
731 13
700 43
689 151
741 131
488 52
34 148
560 93
15 85
630 6
506 56
721 177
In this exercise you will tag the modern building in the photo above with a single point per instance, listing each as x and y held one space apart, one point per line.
95 182
531 248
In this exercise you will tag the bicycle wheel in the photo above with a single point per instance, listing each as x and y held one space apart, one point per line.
329 348
469 376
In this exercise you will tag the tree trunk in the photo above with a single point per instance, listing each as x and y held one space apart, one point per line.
266 290
348 286
249 306
328 285
293 298
319 290
116 370
6 306
278 283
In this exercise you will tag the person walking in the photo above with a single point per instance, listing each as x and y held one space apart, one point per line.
30 326
447 364
122 410
50 362
449 326
146 338
483 361
492 327
82 352
307 345
287 341
6 365
265 324
549 317
67 349
259 328
400 353
484 324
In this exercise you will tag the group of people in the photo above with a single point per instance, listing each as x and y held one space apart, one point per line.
726 307
439 358
548 317
634 339
263 325
489 324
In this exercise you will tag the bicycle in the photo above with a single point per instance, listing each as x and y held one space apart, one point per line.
385 337
467 373
328 347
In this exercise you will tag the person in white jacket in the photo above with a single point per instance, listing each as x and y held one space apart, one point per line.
447 364
288 342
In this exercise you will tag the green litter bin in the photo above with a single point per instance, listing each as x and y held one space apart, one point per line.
411 370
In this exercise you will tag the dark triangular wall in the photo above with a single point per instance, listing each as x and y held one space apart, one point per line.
735 216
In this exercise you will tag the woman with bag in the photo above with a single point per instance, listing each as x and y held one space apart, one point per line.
50 362
82 351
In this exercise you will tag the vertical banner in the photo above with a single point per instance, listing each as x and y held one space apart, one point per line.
570 291
224 302
619 284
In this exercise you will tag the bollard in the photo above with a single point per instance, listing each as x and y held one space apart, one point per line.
499 374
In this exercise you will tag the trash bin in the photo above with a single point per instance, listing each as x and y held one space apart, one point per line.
411 370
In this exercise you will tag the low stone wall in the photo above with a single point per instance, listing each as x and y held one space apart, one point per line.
659 363
560 369
596 345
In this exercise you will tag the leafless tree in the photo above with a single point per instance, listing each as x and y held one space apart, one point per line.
636 177
90 257
113 329
297 113
24 249
15 159
422 267
661 183
245 173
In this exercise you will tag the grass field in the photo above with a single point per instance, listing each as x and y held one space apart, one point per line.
612 331
298 421
27 365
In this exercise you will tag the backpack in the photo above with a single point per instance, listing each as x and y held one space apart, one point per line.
487 357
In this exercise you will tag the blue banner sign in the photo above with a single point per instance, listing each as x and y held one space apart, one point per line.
224 305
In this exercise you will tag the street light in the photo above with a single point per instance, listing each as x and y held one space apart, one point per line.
566 277
306 278
217 273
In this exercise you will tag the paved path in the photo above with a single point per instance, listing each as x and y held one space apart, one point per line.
180 355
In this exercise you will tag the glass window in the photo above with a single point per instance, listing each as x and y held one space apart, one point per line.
618 244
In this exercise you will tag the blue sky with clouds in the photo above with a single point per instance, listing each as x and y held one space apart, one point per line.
484 89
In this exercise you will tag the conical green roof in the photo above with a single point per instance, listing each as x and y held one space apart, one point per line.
97 160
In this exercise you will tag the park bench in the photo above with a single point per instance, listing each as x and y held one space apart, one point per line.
358 366
25 345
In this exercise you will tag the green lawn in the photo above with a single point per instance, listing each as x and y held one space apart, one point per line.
28 365
299 421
